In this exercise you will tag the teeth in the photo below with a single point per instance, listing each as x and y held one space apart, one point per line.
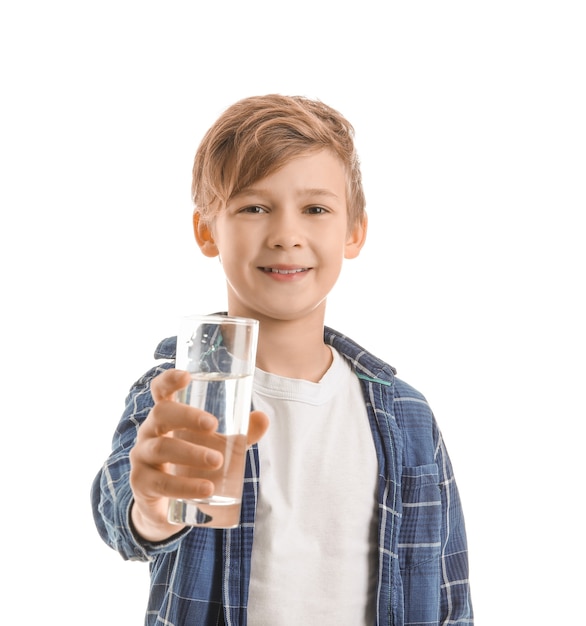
276 271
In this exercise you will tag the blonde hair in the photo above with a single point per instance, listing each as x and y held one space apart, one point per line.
256 136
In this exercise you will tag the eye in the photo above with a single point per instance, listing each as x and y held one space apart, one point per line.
316 210
255 208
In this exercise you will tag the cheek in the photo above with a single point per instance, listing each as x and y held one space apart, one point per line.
234 255
233 252
228 242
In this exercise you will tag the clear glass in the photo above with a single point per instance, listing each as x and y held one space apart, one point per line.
220 353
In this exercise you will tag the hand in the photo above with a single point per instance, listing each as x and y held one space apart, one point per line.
151 480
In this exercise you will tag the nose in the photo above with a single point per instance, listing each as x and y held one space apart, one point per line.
286 231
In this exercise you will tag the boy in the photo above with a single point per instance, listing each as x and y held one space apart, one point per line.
350 512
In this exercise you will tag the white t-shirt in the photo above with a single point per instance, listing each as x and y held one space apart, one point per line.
315 550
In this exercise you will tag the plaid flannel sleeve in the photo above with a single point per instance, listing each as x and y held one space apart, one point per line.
455 600
432 547
111 495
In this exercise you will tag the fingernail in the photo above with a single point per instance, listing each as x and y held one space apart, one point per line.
207 421
213 457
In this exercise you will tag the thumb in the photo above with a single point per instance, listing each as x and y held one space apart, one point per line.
257 426
164 386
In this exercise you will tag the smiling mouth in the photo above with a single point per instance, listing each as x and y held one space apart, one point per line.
276 270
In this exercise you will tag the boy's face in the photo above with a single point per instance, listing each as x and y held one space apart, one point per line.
283 240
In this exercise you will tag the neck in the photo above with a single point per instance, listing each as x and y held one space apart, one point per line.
294 348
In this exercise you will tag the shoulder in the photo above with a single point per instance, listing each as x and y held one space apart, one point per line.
371 368
406 391
410 398
139 395
166 349
365 364
409 406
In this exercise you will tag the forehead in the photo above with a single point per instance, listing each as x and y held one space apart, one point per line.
319 173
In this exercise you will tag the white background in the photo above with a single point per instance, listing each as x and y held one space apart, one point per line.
470 124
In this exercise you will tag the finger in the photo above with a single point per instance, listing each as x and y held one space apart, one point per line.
154 484
257 426
167 416
164 386
161 450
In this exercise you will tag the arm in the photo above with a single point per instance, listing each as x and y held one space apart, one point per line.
432 546
111 494
130 495
455 601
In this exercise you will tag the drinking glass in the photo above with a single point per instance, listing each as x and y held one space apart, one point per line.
219 352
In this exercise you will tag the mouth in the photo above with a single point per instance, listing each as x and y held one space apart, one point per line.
282 270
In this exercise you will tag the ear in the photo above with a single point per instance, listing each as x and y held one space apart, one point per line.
356 238
203 235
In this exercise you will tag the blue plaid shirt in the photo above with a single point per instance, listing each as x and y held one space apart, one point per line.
201 575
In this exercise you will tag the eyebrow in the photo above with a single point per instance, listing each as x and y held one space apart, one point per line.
311 192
